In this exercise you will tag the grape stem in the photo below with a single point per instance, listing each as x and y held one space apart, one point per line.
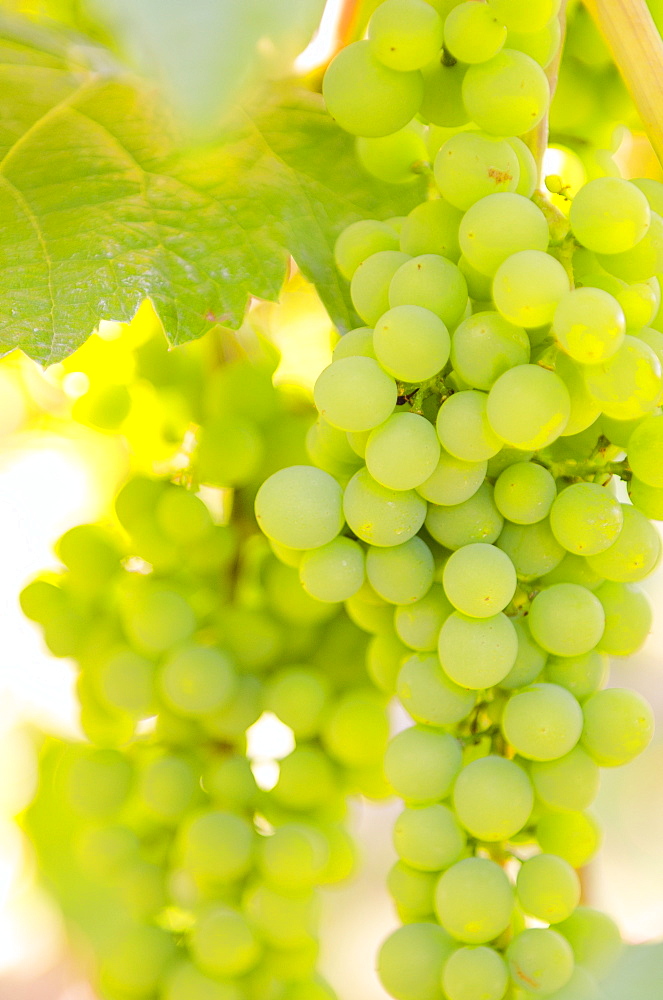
637 48
537 139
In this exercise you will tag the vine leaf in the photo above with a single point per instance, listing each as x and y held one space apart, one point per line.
100 207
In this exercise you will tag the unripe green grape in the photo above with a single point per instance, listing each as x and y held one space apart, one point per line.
442 102
453 480
327 445
430 697
293 857
530 659
541 45
388 100
384 656
298 696
157 619
368 611
574 836
589 324
479 580
433 282
525 15
369 287
493 798
508 95
229 781
288 599
618 726
185 982
356 729
641 262
333 572
498 226
401 574
574 569
548 888
484 346
90 553
230 450
168 786
463 427
528 407
354 394
355 343
585 409
472 972
609 215
524 492
217 846
570 783
645 451
411 960
394 158
196 680
477 519
628 384
542 722
541 960
472 33
361 240
300 507
474 901
428 837
471 165
628 618
479 285
412 890
306 779
647 499
231 722
283 920
136 960
421 764
97 782
594 938
634 553
581 675
127 683
402 452
418 625
528 286
477 653
566 619
380 516
411 343
581 986
532 548
432 228
405 34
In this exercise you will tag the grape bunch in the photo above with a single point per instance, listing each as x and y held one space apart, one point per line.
464 499
187 879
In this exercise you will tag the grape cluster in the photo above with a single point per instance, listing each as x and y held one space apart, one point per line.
185 628
462 498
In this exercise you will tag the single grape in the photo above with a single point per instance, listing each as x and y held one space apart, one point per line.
293 857
477 519
157 619
485 345
570 783
532 548
396 158
548 888
306 779
634 553
641 262
127 682
411 343
463 427
540 960
284 921
433 282
479 580
360 240
217 846
524 492
300 507
453 480
230 450
594 938
628 384
498 226
430 697
609 215
355 729
428 837
528 287
298 696
645 451
477 653
542 722
432 228
474 900
354 394
525 15
401 574
421 764
196 680
528 407
508 95
541 45
573 836
566 619
411 960
618 726
404 34
418 625
493 798
380 516
471 165
403 452
581 675
589 324
412 890
628 618
475 972
472 33
369 287
530 659
333 572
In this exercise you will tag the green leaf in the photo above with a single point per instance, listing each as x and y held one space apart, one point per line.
100 208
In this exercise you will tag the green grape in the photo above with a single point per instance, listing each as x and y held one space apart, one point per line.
411 960
231 722
573 836
540 960
628 384
647 499
287 597
475 972
566 619
299 697
542 722
479 285
594 938
136 960
477 519
253 638
532 548
581 675
300 507
354 394
570 783
508 95
645 451
421 764
609 215
589 324
355 343
430 697
530 659
342 859
168 787
98 782
635 552
541 45
42 601
463 427
524 492
493 798
548 888
474 901
359 439
528 407
369 287
369 611
525 15
403 451
628 618
360 240
293 857
654 338
412 890
229 782
573 569
477 653
230 450
485 345
222 942
641 262
396 158
384 656
479 580
183 516
418 625
90 554
217 846
652 190
453 480
333 572
529 170
127 683
411 343
432 282
356 728
401 574
432 228
498 226
185 982
428 837
157 619
472 165
104 851
442 102
329 446
585 410
388 99
472 33
405 34
618 726
380 516
196 680
313 989
528 286
306 779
